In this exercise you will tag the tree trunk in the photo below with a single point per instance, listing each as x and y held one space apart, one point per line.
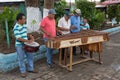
33 15
32 3
48 4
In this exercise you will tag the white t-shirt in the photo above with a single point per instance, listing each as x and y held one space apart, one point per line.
64 24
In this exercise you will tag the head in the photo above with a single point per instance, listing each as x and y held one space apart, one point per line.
21 18
67 15
51 14
77 12
85 20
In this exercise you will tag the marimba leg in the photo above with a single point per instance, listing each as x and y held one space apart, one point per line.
65 56
60 57
100 52
70 67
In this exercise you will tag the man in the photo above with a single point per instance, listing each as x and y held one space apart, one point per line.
75 24
48 27
64 26
20 32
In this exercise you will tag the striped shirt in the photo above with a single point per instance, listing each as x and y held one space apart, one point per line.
20 31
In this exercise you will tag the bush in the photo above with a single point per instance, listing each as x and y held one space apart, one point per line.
60 9
98 20
114 11
10 15
88 10
118 13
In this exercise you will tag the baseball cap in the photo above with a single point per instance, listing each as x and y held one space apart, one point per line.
78 11
67 14
52 11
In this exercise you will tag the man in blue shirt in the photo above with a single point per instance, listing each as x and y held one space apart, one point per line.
75 24
75 21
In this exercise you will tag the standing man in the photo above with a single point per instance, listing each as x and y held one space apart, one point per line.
48 27
75 24
20 32
64 26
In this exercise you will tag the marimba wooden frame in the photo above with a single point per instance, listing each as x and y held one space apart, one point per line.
71 63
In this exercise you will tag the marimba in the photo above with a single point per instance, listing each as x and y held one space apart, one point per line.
87 39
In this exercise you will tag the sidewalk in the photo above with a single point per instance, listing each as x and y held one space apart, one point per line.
109 70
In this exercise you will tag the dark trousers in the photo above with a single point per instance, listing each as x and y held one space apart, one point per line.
63 52
74 50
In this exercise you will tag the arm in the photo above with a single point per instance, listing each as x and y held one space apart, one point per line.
63 29
43 30
24 40
19 37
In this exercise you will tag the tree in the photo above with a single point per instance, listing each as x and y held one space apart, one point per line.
48 4
33 15
88 10
102 0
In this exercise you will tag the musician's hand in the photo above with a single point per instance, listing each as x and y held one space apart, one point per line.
59 32
48 34
73 27
31 38
29 41
67 29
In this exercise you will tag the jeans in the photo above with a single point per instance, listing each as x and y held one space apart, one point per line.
49 53
21 56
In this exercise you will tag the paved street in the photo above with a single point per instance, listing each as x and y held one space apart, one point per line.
109 70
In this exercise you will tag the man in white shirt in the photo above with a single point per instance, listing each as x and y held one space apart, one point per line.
64 26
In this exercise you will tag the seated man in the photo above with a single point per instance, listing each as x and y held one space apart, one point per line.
85 25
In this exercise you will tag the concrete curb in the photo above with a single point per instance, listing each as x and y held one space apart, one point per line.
112 30
9 61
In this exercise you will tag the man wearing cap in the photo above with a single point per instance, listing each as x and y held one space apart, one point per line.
48 27
64 26
75 24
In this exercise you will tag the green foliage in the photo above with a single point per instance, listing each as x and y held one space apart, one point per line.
118 13
102 0
10 15
114 11
88 10
60 9
98 20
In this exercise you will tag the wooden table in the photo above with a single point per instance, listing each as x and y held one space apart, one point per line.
88 39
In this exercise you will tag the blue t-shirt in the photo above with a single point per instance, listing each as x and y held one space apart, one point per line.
75 21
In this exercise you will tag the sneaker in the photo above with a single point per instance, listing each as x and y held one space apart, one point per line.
50 66
74 54
53 62
23 75
34 71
